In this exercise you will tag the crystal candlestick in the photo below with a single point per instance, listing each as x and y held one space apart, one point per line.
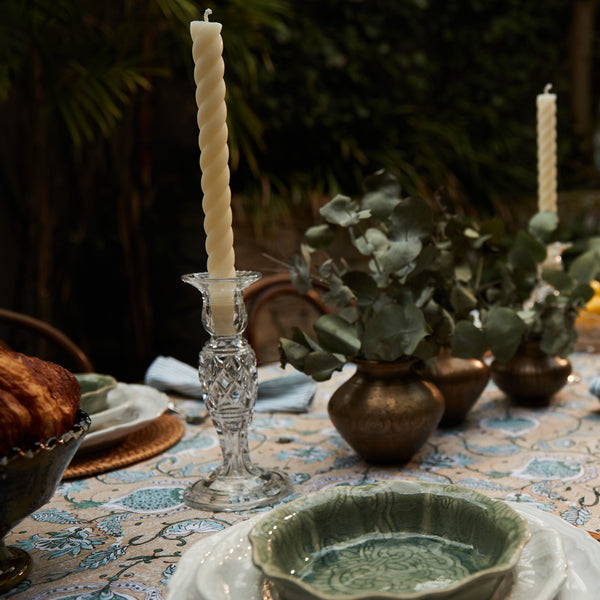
228 378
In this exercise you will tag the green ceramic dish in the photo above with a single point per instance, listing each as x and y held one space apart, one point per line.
94 391
395 540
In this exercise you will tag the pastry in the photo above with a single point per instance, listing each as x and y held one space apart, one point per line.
38 400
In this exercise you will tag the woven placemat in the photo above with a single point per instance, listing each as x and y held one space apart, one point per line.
153 439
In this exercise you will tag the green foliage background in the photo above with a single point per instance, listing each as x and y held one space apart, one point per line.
99 176
445 97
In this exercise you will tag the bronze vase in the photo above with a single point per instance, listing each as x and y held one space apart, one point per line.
386 411
461 381
531 376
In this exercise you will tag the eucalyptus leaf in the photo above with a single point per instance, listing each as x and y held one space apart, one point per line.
337 335
528 315
319 236
558 336
395 331
327 268
350 314
298 336
381 277
586 267
339 294
508 291
398 294
462 299
399 255
463 273
543 224
494 228
503 330
300 273
341 210
557 279
380 203
593 243
412 218
481 240
427 348
363 286
524 275
402 274
423 296
293 353
439 320
321 365
581 294
382 181
468 341
372 241
562 344
526 242
430 258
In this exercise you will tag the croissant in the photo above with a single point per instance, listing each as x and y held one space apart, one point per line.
38 400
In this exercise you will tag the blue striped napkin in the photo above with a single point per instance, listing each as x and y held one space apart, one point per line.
289 393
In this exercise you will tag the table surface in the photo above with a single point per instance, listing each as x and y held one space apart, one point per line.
119 535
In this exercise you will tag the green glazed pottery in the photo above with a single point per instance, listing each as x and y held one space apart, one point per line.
28 479
395 540
94 391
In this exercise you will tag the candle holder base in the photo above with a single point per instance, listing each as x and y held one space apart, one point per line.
226 493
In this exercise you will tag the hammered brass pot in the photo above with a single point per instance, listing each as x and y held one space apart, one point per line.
461 381
386 411
531 377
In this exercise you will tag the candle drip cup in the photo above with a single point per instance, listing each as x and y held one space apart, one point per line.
228 378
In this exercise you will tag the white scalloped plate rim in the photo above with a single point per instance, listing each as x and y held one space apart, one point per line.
582 552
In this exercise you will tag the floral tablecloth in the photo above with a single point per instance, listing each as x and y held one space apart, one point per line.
119 535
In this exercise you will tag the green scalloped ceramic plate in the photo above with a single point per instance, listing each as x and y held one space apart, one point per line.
396 540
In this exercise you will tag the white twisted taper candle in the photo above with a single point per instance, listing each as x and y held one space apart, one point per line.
546 151
209 69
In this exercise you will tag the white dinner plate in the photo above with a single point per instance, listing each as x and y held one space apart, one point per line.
581 550
130 407
559 562
118 410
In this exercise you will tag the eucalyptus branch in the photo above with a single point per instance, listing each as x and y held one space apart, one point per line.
314 273
479 272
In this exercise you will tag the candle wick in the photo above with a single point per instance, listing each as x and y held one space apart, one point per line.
547 88
207 12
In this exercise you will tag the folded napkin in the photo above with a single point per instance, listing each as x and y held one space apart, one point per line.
595 386
289 393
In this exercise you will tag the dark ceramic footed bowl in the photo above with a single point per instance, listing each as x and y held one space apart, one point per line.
395 540
28 480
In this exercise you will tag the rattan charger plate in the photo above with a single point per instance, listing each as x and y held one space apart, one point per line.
153 439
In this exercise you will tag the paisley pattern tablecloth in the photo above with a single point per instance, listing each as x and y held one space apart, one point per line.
119 535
